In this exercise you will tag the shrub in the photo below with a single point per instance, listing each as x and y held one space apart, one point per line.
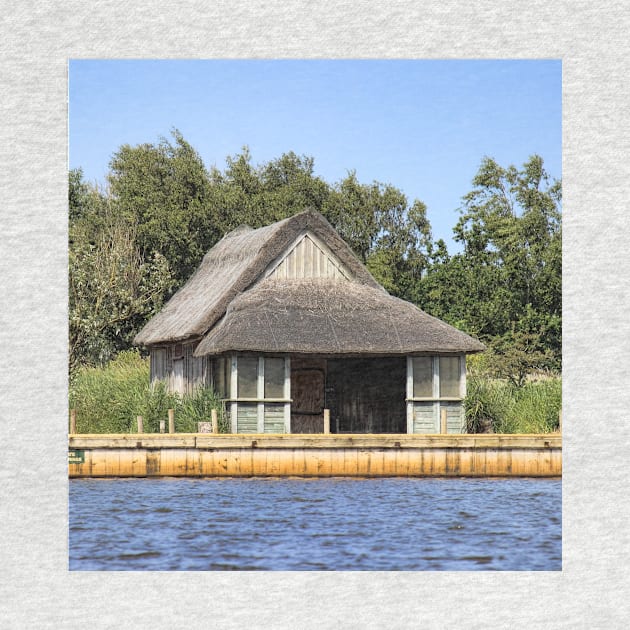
502 407
108 399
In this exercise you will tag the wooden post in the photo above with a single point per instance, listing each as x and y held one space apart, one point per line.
140 424
162 426
171 420
215 421
73 420
443 428
326 420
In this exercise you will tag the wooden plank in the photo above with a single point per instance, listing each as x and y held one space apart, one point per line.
402 440
287 393
317 256
247 418
347 461
443 418
234 393
274 418
308 258
424 418
409 395
327 421
260 392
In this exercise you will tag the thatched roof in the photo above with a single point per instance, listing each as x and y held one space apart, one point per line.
231 267
229 300
324 317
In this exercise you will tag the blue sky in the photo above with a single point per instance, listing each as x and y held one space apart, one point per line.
421 125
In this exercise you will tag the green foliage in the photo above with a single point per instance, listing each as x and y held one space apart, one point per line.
516 354
108 399
133 245
505 287
496 406
389 236
112 291
165 190
259 195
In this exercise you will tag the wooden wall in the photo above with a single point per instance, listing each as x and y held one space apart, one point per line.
309 258
178 368
367 395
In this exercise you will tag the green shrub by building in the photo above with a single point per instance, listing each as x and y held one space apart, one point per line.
498 406
108 399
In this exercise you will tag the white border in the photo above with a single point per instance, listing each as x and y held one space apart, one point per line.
36 589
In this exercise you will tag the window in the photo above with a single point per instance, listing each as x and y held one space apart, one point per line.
247 381
449 377
261 403
274 377
435 385
222 371
423 377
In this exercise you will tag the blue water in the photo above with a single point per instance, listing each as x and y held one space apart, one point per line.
343 524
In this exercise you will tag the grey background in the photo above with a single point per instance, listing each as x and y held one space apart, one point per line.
36 40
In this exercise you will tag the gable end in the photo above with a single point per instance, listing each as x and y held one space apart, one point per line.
307 257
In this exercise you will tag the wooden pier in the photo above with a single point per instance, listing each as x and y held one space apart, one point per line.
314 455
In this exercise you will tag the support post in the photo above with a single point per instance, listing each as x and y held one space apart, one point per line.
409 395
171 420
326 421
215 421
443 428
140 424
162 426
73 420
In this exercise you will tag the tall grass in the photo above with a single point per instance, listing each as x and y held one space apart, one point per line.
108 399
500 407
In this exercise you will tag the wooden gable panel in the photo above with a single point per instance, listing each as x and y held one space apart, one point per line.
309 258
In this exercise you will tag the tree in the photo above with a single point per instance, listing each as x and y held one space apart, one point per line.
112 291
387 235
165 190
507 281
259 195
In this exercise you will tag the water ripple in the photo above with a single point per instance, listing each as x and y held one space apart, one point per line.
315 525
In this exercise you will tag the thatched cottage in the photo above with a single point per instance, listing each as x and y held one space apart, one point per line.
284 321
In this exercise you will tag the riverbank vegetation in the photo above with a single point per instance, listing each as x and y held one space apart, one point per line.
134 242
108 399
495 406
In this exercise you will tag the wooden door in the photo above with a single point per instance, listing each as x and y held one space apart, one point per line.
307 394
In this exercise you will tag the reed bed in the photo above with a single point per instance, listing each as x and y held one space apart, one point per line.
495 406
108 399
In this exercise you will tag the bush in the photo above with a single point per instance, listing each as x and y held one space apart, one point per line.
108 399
501 407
